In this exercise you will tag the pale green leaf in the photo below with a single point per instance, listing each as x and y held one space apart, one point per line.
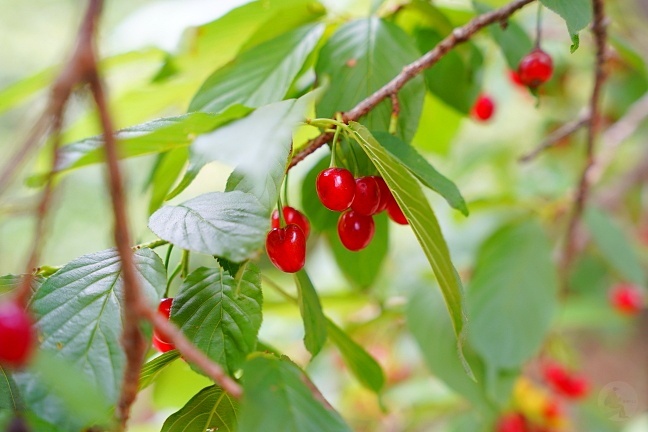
311 312
576 13
10 399
153 368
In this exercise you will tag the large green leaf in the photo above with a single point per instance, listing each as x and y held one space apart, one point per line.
221 315
211 409
10 399
153 368
276 398
361 57
576 13
513 295
423 170
261 75
417 210
231 225
440 127
311 312
614 246
364 367
362 268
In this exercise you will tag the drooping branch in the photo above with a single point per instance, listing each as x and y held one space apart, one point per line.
458 36
600 37
556 136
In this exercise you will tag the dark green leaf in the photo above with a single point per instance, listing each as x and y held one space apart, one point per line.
10 399
423 170
277 398
417 210
364 367
361 57
512 296
232 225
311 312
362 268
211 409
152 369
576 13
614 246
261 75
219 314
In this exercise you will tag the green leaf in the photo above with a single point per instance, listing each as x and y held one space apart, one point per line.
231 225
311 312
423 170
79 312
321 218
417 210
10 399
361 57
576 13
219 314
10 282
164 175
261 75
362 268
439 130
512 295
211 409
364 367
258 146
614 246
277 398
153 368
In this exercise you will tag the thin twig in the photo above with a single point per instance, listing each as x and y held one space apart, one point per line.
458 36
556 136
600 37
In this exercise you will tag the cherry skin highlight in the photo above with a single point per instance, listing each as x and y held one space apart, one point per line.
286 248
626 299
367 196
335 188
484 108
159 341
355 230
395 213
292 216
535 68
17 336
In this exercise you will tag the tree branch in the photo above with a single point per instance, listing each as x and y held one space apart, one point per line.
556 136
458 36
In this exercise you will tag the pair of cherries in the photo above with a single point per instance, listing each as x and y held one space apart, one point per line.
359 199
286 247
17 335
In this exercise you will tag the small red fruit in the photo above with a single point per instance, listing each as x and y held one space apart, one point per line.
395 213
286 248
535 68
159 341
515 78
17 336
367 196
484 108
385 194
627 299
335 188
292 216
562 382
355 230
512 422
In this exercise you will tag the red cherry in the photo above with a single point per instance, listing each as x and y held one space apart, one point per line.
484 108
627 299
577 387
335 188
286 248
367 196
159 341
385 194
535 68
292 216
515 78
395 213
564 383
512 422
355 230
552 410
17 336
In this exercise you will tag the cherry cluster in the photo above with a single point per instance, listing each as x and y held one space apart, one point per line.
359 200
286 246
17 335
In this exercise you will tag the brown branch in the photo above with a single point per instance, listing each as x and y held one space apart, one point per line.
600 37
556 136
458 36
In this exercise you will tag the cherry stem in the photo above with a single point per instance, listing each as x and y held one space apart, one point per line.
167 258
175 273
185 264
282 220
285 188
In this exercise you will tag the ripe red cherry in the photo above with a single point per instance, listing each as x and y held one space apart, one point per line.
286 248
159 341
535 68
292 216
355 230
512 422
484 108
564 383
515 78
627 299
17 336
385 194
395 213
367 196
335 188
